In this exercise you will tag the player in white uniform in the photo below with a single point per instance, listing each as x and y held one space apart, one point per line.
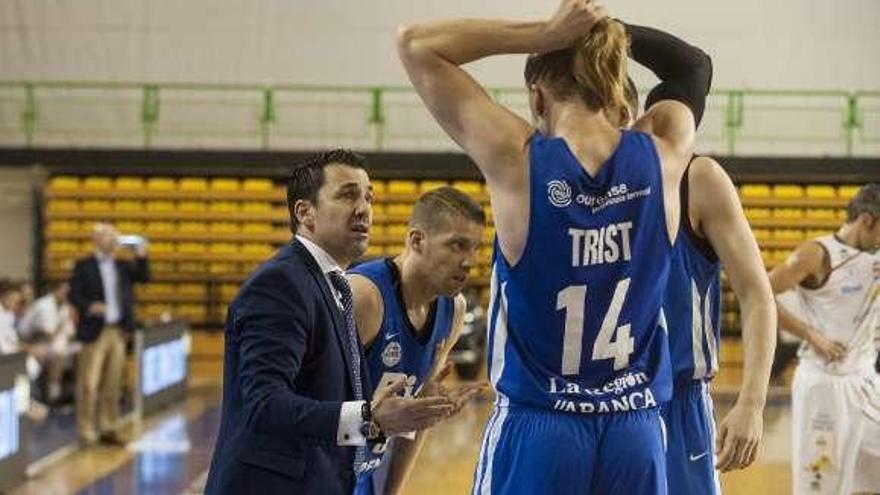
835 394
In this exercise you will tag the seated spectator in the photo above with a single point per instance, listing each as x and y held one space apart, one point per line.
10 300
49 321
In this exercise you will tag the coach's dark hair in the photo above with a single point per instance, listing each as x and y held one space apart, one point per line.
867 200
433 207
308 177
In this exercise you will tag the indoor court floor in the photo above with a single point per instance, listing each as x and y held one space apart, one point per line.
173 452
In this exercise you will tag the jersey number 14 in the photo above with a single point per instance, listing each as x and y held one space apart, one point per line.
612 342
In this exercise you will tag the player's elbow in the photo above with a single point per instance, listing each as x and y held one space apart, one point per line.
407 40
703 70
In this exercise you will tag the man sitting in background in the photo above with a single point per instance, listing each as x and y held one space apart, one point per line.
10 301
49 320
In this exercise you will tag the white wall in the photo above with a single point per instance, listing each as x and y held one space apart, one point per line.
755 43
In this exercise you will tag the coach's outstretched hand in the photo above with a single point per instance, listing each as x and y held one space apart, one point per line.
739 437
396 415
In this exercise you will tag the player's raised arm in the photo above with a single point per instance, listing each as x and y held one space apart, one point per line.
674 108
432 54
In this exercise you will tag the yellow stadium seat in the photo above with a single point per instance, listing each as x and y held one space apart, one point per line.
192 206
842 214
396 231
472 187
257 249
160 206
256 228
191 290
762 235
402 187
130 227
374 250
788 234
398 210
193 184
62 205
813 233
377 231
218 267
788 191
156 227
257 185
489 235
430 185
191 312
731 320
225 228
62 247
847 192
191 248
97 205
818 191
256 207
379 186
161 247
780 255
64 183
157 289
192 227
63 226
223 207
394 249
788 213
754 191
767 257
161 184
821 214
191 267
228 291
128 205
163 266
379 210
129 184
223 248
757 213
223 184
97 183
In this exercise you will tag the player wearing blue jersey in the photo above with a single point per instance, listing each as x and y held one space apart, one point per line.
409 311
586 215
713 231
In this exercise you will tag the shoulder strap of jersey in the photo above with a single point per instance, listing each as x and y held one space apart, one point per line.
701 243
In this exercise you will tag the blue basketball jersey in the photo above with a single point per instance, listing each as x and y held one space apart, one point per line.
397 350
577 324
693 303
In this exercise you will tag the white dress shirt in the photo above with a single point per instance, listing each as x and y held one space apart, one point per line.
110 280
350 420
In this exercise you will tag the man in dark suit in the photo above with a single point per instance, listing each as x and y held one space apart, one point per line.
294 418
102 291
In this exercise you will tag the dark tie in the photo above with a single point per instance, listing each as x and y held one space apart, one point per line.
341 284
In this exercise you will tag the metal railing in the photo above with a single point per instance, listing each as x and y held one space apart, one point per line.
250 116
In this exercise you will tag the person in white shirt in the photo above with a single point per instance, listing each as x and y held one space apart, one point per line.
836 392
49 320
10 302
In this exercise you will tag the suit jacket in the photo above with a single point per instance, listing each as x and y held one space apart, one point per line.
87 287
287 370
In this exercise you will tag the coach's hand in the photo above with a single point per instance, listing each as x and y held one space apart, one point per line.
739 437
830 350
396 415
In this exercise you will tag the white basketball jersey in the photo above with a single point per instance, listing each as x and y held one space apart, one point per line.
846 308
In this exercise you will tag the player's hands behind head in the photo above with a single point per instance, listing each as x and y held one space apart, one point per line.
573 20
